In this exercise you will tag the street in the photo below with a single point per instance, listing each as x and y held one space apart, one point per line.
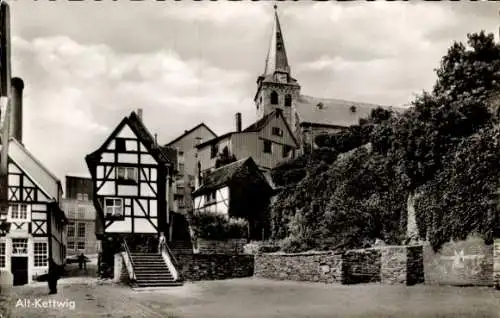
85 297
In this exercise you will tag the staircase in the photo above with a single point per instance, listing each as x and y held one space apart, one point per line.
181 247
151 271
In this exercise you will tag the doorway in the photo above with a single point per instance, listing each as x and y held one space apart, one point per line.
19 269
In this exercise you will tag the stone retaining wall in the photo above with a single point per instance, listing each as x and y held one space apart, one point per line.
468 262
196 267
231 246
315 267
386 265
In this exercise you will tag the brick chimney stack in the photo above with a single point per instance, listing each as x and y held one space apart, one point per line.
16 118
238 122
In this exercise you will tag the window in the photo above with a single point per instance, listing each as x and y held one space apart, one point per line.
71 213
81 212
19 211
286 150
71 245
274 98
81 229
288 100
81 245
210 197
113 207
268 146
19 246
120 144
71 229
277 131
79 196
40 252
180 153
126 174
85 197
2 255
181 167
214 150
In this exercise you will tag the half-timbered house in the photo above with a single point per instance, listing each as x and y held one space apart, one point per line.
238 189
37 223
132 178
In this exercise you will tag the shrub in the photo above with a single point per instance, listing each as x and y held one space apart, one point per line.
214 226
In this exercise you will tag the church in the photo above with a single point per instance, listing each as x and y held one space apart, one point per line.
287 124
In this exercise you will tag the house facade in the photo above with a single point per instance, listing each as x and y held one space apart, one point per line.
37 222
131 182
81 214
184 182
238 189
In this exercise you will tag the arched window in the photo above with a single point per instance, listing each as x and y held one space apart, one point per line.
288 100
274 98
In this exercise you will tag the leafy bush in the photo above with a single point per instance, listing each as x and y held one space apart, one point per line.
214 226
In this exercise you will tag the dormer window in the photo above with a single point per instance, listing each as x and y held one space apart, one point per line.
126 175
274 98
320 105
353 109
288 100
214 150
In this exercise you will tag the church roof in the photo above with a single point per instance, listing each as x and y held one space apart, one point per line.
334 112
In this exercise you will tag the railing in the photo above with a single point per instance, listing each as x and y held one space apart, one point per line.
175 264
129 256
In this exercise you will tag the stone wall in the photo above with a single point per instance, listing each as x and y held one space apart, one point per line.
361 266
315 267
386 265
196 267
468 262
231 246
496 263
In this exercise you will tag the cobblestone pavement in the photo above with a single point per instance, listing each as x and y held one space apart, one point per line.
252 298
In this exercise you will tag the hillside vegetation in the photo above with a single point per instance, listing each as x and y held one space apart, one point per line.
444 151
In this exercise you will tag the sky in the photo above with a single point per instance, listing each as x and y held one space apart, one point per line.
88 64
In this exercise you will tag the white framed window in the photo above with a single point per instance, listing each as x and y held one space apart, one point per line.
71 229
81 212
19 212
81 245
71 245
85 197
126 173
2 255
41 253
20 246
113 207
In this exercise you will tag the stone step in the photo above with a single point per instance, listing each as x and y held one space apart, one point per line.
151 269
166 284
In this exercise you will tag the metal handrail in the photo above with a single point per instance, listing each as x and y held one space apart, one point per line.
127 251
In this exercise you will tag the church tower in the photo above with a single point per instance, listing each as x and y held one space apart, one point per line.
276 88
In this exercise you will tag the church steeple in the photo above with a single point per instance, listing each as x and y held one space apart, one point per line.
276 88
276 60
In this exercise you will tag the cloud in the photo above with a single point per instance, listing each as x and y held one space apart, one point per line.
76 94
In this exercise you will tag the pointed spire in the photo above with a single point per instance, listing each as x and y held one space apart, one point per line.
276 59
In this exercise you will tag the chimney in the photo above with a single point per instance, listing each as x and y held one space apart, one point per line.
16 118
238 122
139 113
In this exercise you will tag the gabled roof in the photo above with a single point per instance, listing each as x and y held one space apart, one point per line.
224 175
164 155
187 132
334 112
40 174
264 121
215 140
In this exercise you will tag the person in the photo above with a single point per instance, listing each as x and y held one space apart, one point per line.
161 242
82 261
53 277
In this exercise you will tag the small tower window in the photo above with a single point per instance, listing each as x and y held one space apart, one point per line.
288 100
274 98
